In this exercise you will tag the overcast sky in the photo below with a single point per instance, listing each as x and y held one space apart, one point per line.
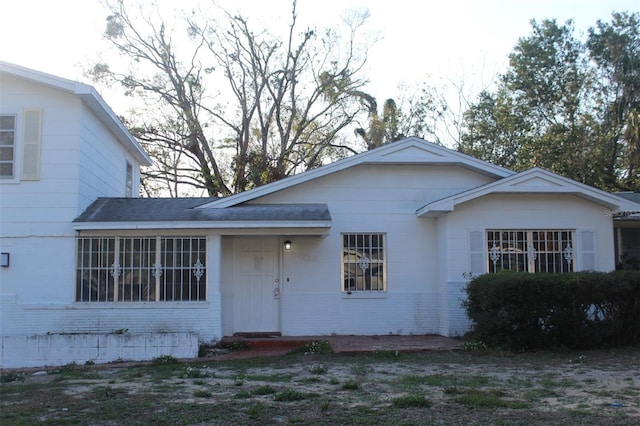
421 39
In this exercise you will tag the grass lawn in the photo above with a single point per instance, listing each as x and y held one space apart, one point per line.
383 388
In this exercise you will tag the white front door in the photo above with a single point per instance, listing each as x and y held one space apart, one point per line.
256 287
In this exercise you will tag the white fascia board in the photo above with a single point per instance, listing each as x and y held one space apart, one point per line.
509 185
289 225
282 184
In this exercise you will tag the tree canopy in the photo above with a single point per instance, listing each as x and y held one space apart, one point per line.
568 106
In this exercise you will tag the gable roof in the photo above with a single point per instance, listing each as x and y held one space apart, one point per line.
411 150
90 97
183 213
532 181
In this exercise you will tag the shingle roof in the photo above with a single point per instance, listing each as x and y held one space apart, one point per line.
631 196
185 209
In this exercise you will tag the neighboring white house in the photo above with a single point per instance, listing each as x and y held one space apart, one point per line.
379 243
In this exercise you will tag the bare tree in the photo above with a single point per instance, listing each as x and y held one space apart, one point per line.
278 105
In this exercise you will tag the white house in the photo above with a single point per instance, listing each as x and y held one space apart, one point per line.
379 243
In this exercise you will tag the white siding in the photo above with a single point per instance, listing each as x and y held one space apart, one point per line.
102 164
527 211
428 259
80 160
367 198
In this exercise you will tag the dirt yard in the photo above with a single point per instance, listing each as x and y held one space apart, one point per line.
314 387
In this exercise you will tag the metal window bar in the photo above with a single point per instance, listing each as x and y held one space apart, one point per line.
136 283
168 262
94 269
134 269
530 250
362 262
181 279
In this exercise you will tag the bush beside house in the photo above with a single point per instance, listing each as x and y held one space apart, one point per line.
580 310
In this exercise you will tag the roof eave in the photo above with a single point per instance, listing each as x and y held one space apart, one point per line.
213 225
90 97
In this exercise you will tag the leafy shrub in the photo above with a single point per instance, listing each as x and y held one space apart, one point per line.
577 310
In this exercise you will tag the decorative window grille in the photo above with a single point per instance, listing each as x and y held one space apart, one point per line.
530 250
141 269
7 145
363 262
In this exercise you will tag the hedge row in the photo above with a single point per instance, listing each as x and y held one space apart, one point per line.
579 310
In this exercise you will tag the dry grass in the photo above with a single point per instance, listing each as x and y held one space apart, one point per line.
476 387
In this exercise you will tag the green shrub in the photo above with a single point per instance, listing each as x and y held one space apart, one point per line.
579 310
411 401
165 360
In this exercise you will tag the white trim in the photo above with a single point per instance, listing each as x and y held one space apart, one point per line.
288 226
439 155
532 181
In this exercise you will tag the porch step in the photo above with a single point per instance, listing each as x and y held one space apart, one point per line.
266 342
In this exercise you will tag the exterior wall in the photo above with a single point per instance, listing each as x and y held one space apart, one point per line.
381 198
36 215
42 207
77 163
27 321
517 211
102 163
428 259
61 349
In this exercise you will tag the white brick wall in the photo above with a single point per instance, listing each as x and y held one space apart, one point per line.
62 349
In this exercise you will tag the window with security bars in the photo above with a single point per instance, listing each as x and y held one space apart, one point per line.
363 263
530 250
140 269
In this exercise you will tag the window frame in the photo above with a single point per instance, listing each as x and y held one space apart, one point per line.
360 270
14 146
125 269
531 250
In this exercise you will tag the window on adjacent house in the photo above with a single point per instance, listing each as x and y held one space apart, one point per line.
530 250
7 145
128 190
363 262
141 269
